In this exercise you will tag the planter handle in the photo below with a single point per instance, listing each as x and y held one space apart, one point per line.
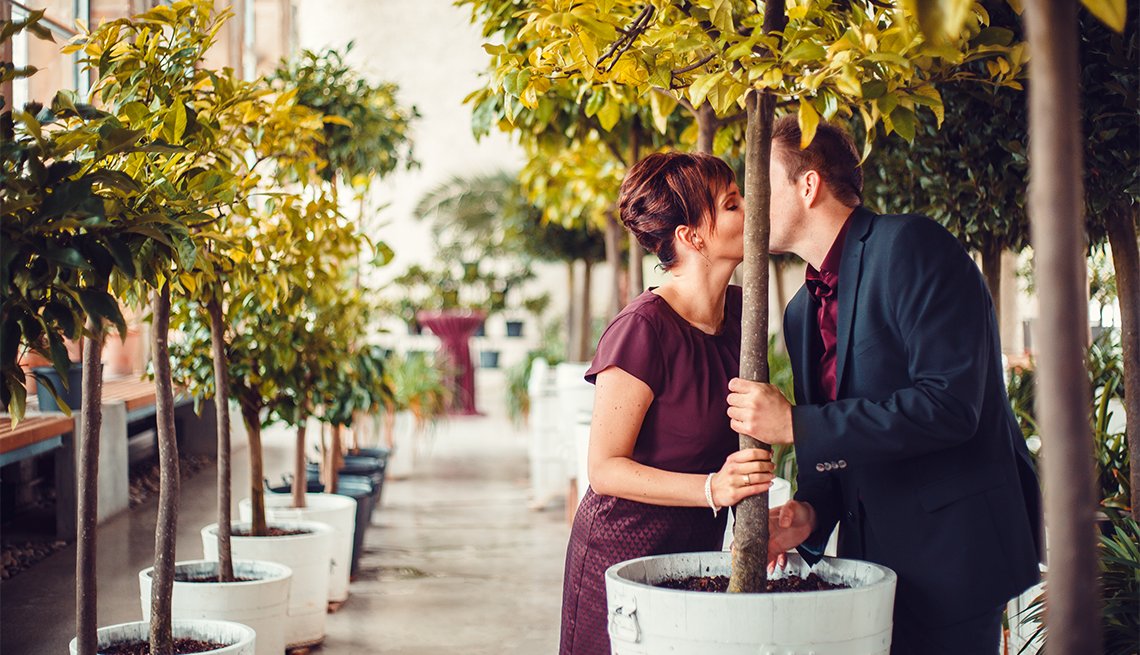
623 622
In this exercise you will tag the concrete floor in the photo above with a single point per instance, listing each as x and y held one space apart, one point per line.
454 561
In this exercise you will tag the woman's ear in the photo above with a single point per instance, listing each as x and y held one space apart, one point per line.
688 236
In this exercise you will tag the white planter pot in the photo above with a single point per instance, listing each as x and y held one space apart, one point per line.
645 620
402 460
547 466
308 555
239 638
261 603
338 512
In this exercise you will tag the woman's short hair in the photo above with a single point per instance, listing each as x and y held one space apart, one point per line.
831 153
667 190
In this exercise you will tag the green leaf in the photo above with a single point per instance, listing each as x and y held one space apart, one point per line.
609 114
121 253
174 124
1112 13
903 122
117 139
114 179
701 86
939 20
68 257
721 16
594 104
994 36
18 402
100 305
874 89
62 315
806 51
661 105
59 357
809 121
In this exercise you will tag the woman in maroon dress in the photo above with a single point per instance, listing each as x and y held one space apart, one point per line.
663 460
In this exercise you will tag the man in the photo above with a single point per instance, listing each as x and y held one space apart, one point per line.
902 428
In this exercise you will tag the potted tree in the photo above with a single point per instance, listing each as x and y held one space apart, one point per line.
793 63
138 236
266 329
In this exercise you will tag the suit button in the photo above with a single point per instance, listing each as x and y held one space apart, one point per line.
830 466
850 516
842 464
820 467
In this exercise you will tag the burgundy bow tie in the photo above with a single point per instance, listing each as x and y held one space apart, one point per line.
820 290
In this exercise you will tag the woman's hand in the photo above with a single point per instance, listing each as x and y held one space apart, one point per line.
745 473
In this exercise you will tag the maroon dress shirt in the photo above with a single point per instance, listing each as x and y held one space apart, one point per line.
823 285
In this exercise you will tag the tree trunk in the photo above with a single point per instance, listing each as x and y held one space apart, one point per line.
1056 201
707 124
991 270
636 254
166 528
613 258
221 407
1126 262
300 475
585 329
87 500
572 310
333 459
251 414
750 557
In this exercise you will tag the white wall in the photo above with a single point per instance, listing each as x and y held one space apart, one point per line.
430 49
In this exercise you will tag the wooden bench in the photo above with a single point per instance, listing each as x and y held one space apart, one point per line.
32 436
136 394
37 435
138 398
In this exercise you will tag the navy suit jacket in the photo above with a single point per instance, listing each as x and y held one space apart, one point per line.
919 459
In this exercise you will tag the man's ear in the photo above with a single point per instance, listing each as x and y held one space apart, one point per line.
811 188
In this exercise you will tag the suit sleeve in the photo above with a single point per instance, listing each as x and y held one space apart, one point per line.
943 314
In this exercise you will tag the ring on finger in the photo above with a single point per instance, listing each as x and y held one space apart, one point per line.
747 479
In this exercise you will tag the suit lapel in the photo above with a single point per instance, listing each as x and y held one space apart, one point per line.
850 272
804 328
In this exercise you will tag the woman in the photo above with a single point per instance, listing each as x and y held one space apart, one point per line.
663 460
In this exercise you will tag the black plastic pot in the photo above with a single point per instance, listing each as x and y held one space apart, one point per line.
381 454
514 328
72 394
369 468
488 359
360 490
312 486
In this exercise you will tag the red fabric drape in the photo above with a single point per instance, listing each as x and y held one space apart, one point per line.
454 329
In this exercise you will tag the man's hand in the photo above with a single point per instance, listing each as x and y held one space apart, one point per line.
788 526
759 411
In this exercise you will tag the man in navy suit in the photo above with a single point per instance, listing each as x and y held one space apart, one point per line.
902 429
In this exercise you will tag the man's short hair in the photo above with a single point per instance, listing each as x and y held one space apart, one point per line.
831 153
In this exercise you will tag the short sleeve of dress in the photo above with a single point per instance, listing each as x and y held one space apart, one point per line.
632 344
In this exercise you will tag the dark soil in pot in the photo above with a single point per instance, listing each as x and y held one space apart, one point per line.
181 647
719 584
273 532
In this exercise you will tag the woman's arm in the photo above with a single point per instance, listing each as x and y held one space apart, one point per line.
620 403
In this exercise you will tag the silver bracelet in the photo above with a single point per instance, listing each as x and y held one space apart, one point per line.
708 494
